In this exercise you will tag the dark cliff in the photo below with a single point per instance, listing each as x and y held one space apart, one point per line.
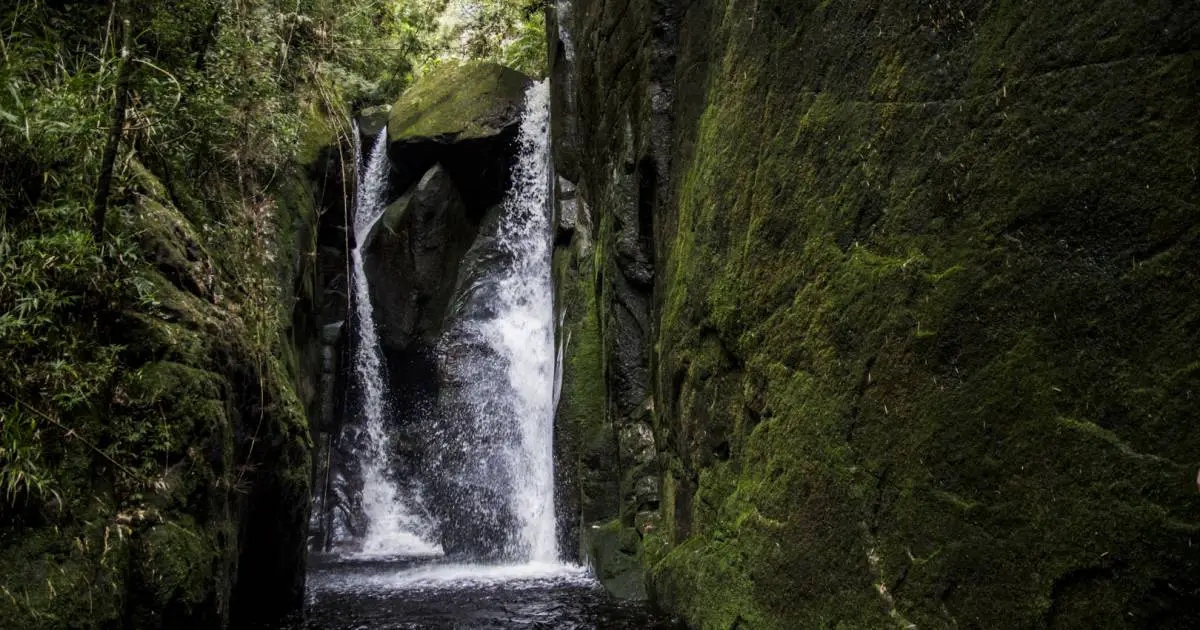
883 313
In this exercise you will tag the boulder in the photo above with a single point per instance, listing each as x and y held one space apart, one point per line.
456 102
465 117
372 121
412 254
612 551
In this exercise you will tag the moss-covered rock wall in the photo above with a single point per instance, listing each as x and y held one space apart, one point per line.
189 507
162 358
919 342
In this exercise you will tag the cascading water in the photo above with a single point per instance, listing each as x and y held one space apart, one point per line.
489 451
391 528
523 330
496 422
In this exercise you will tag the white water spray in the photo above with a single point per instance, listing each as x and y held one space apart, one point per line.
523 331
504 411
392 529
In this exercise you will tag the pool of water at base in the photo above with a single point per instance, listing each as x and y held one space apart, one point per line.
381 593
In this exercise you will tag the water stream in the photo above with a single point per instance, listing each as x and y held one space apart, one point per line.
509 387
392 528
503 420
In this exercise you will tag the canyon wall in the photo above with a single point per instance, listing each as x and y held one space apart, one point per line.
882 312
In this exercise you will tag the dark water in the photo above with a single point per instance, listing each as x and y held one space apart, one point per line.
414 593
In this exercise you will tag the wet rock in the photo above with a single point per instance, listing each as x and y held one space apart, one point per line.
411 258
372 121
474 518
330 333
637 444
567 212
612 552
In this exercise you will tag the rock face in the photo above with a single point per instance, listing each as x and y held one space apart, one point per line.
411 256
904 296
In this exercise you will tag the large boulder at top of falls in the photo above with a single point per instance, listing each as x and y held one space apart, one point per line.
465 117
458 101
372 122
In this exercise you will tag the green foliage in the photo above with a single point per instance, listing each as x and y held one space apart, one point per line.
526 51
121 354
56 280
143 381
511 32
368 49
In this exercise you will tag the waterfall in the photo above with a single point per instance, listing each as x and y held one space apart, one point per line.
489 455
497 422
523 330
391 527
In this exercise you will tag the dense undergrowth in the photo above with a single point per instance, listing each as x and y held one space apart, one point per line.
152 200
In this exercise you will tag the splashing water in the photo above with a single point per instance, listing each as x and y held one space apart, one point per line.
501 359
523 331
392 529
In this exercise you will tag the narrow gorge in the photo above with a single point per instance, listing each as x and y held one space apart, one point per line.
604 314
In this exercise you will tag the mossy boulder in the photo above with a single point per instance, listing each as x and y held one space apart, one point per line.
458 101
71 577
613 552
464 116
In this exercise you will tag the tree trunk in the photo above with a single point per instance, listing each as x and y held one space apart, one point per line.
115 131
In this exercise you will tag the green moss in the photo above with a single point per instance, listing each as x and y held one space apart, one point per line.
296 217
318 133
924 325
176 560
172 244
582 416
291 431
459 101
585 388
613 551
168 411
69 578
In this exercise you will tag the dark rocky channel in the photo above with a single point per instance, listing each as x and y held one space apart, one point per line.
412 593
